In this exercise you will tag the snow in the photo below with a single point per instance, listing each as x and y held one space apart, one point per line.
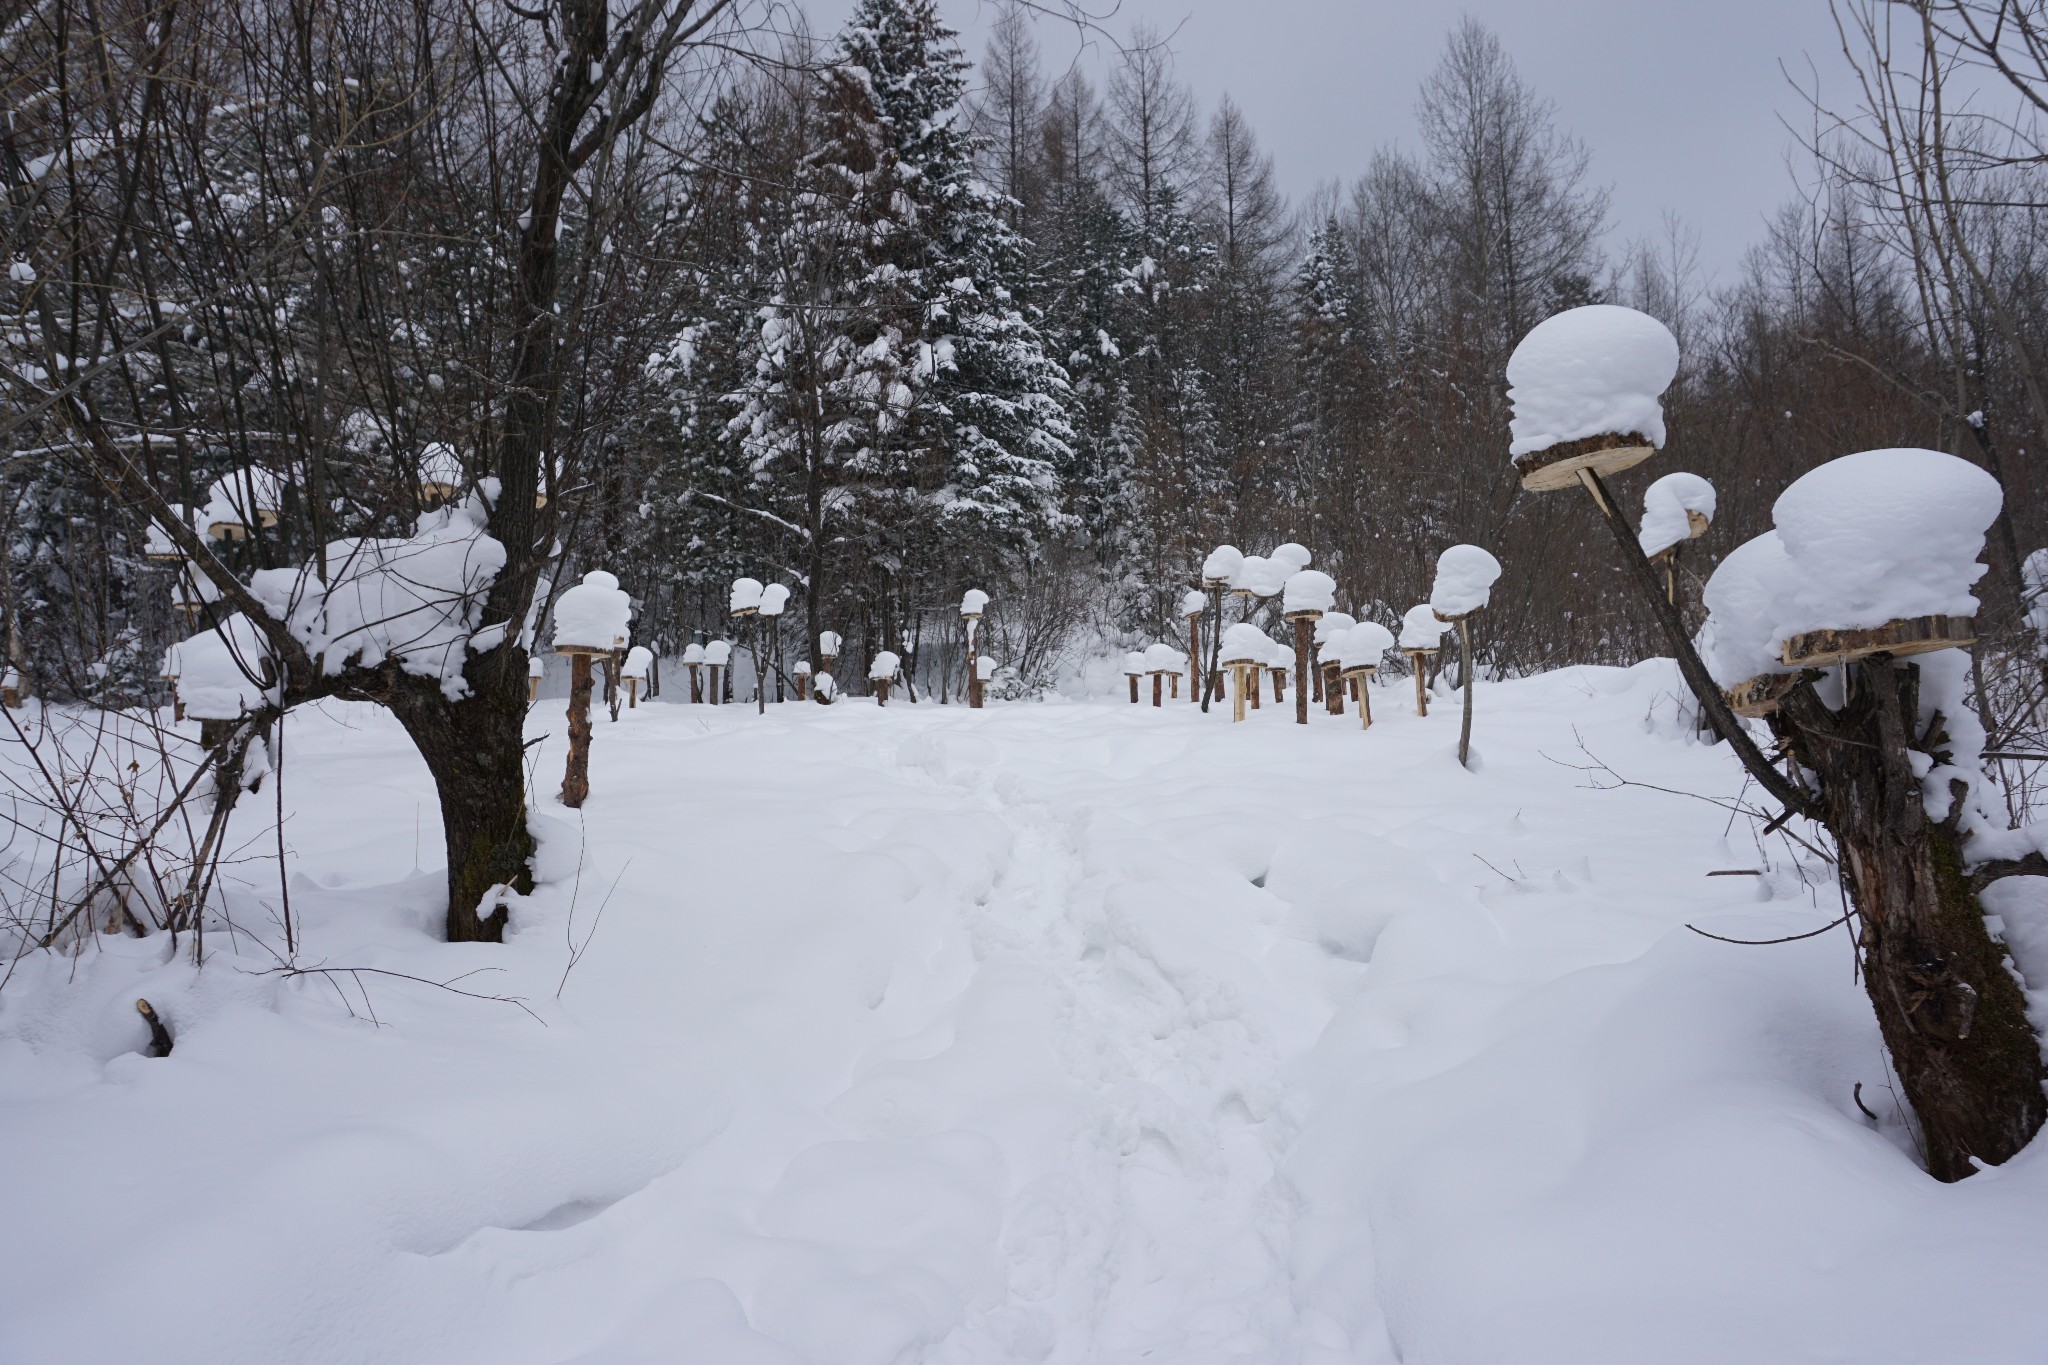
1294 556
973 602
1164 658
718 653
593 614
1882 535
1740 638
536 667
1421 628
1309 590
1363 645
157 544
1243 642
1331 624
885 666
824 687
828 644
639 660
693 653
245 497
1222 565
1259 576
418 599
1465 575
1590 371
1666 505
225 672
774 599
169 671
440 466
1193 603
984 667
1134 663
802 667
1062 1032
746 595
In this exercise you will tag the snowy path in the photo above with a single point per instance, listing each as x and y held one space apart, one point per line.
1078 1034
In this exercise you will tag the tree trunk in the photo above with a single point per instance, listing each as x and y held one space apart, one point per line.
473 749
1953 1018
576 779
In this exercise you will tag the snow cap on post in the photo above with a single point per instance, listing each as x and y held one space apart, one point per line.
718 653
1309 590
801 668
1465 575
1164 658
639 659
1243 643
774 599
1295 556
1363 645
1258 576
746 597
592 617
828 644
1331 625
1193 603
984 668
1586 385
1219 570
1677 508
884 667
1738 642
973 603
693 654
1882 536
536 667
1134 664
1422 628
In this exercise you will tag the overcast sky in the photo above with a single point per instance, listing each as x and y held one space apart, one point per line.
1679 101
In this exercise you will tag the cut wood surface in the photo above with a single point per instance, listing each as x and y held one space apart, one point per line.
1912 635
1558 466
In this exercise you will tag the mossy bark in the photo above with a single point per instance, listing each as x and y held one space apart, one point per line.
1952 1015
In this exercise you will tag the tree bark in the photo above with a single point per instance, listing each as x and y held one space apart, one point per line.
576 780
1304 667
1953 1018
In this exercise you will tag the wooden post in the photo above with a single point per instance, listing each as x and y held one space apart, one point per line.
1333 687
1194 659
696 683
1173 681
881 691
1361 680
576 780
1134 688
1306 676
1465 670
1253 671
1418 659
632 694
1280 689
716 684
1239 676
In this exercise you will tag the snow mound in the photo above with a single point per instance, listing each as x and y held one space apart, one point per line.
1309 590
225 672
1881 535
593 614
1421 628
1588 372
1668 507
1740 638
1465 575
1222 564
1364 644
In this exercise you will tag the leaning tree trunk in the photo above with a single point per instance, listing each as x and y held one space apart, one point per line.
1952 1016
474 749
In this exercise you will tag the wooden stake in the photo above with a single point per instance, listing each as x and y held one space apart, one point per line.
881 691
1194 660
1238 677
1465 730
1305 674
632 694
1415 659
576 780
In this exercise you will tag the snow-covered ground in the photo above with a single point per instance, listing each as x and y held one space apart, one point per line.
1072 1032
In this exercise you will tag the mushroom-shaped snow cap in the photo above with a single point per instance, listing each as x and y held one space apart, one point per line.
973 602
536 666
1279 657
774 599
828 644
1134 663
1421 628
1164 658
1465 575
593 615
984 668
1676 508
718 653
639 659
1295 556
1332 624
1364 644
1743 599
1243 643
1260 577
1883 535
1310 590
1590 371
1222 564
884 667
802 668
1193 603
693 654
746 595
